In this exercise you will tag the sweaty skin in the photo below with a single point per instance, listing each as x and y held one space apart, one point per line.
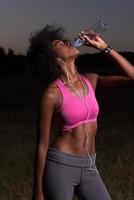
72 140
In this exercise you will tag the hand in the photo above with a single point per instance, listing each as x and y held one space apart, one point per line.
93 40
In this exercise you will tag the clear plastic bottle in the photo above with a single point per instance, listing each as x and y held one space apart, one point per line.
92 31
77 42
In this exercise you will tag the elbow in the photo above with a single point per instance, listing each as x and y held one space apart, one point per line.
132 73
131 77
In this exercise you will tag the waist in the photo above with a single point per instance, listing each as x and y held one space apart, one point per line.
56 155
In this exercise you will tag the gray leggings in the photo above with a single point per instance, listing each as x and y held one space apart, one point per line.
66 174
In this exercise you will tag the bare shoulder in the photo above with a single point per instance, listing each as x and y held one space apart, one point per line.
49 94
92 77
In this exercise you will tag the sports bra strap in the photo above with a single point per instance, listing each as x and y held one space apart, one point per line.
60 85
90 87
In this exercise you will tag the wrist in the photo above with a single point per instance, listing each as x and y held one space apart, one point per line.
107 49
102 47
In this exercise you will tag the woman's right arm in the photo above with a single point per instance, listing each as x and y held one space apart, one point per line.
47 106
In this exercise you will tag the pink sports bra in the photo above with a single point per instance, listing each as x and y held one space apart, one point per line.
73 110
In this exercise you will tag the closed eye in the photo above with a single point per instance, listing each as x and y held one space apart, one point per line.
59 43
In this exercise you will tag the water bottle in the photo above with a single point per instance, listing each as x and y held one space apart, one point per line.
91 32
77 42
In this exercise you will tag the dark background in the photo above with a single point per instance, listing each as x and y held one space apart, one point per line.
19 99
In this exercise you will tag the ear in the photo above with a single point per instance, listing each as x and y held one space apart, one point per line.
59 59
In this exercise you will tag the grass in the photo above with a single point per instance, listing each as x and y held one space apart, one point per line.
114 140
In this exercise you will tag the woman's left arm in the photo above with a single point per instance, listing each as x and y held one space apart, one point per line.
122 62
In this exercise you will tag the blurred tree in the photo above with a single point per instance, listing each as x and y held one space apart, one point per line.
2 51
10 52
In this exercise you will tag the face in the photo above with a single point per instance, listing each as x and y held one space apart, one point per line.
64 50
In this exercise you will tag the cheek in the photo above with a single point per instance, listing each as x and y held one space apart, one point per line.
60 52
64 53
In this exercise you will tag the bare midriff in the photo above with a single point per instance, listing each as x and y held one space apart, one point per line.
72 140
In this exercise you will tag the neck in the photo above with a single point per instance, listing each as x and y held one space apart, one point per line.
69 72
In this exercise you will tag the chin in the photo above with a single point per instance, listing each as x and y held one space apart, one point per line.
76 52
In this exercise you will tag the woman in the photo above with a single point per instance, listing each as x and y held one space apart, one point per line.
67 165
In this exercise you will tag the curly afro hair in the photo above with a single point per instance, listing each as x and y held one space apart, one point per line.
41 55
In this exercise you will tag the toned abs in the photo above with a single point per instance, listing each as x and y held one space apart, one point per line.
72 141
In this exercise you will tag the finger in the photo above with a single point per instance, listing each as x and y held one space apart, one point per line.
88 38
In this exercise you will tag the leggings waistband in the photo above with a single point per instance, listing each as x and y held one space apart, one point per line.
70 159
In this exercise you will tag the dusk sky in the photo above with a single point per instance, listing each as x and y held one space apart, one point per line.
20 18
